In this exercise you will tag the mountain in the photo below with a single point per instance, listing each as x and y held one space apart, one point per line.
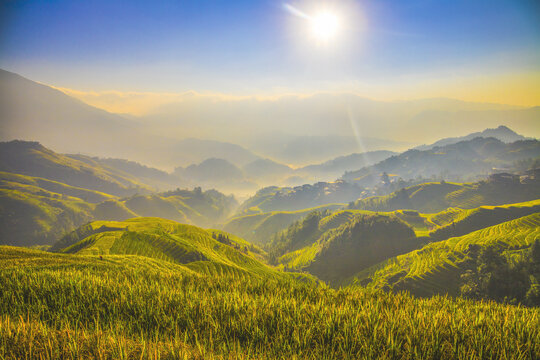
301 150
274 198
435 197
33 159
34 111
464 160
35 216
329 124
191 150
156 178
334 168
335 246
501 133
38 211
259 228
456 122
266 170
219 174
211 170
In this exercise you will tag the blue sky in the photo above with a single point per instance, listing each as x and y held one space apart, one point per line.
244 47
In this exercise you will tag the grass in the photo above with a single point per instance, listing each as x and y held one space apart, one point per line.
127 307
168 241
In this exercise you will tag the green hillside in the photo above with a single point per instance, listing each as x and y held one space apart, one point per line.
198 249
37 185
334 246
436 268
435 197
259 228
30 218
37 211
33 159
130 307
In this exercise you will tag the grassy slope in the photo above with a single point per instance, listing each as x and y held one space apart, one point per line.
435 268
36 185
259 228
427 228
342 243
168 241
71 306
33 159
39 211
29 218
436 197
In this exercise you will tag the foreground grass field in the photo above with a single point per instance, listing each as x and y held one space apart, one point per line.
130 307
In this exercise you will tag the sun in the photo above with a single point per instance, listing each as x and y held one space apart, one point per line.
325 26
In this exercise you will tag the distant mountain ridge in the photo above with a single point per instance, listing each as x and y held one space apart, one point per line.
336 167
32 158
502 133
465 160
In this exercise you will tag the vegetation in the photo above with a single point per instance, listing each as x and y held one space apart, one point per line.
73 306
33 159
168 241
490 275
37 211
275 198
436 268
334 246
435 197
463 160
260 228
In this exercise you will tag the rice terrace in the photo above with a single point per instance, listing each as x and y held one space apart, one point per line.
303 179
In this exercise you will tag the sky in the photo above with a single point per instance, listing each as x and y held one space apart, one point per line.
475 50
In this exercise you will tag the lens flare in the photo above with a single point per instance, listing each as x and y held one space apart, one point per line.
324 25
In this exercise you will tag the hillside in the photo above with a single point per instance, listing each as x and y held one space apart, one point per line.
156 178
501 133
51 303
193 150
300 149
211 171
464 160
33 159
35 111
31 217
260 228
203 208
333 169
37 211
436 268
266 170
436 197
334 246
199 250
274 198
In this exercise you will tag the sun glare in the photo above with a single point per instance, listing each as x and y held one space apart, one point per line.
324 26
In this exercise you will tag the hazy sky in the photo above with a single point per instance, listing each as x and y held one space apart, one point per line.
386 49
